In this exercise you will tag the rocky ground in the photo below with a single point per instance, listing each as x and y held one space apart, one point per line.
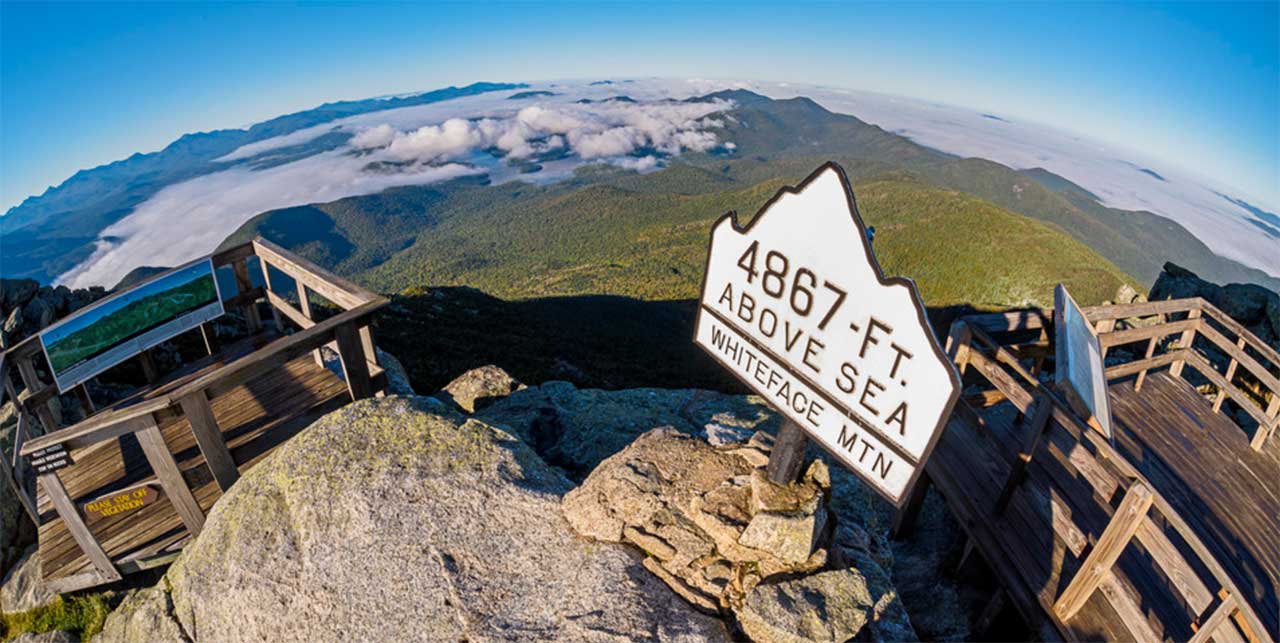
431 524
492 511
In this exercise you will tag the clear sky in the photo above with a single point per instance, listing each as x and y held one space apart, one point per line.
1195 85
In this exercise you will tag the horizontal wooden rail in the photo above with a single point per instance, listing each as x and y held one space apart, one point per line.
1097 314
328 285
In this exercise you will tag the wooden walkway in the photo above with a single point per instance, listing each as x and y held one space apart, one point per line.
1203 464
1172 532
145 471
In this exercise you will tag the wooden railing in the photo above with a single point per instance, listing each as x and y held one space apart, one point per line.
348 332
1141 509
1156 323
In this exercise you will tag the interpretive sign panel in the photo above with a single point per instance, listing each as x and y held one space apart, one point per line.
118 327
1078 370
796 306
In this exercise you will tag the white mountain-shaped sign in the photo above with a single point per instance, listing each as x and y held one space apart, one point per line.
796 307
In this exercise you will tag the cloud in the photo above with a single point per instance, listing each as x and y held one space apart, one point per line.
453 139
595 130
378 136
191 218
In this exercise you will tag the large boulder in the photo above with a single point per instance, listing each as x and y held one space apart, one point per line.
387 520
145 616
479 387
16 292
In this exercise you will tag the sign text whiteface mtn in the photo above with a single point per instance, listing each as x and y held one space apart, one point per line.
797 307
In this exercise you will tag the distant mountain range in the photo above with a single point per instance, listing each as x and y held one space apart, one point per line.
546 222
49 234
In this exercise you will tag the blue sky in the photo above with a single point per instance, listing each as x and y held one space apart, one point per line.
1189 84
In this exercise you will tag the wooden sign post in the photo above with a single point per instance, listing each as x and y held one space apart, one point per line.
796 306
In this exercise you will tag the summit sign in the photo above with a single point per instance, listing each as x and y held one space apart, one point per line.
796 306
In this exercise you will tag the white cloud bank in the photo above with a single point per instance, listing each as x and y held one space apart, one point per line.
408 146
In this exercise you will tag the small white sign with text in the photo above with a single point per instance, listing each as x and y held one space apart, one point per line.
795 305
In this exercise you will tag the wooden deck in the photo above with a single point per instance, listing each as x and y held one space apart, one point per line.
1203 464
1169 533
145 471
254 418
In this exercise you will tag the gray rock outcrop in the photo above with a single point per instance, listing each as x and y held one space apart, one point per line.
23 589
727 539
1252 305
576 429
708 517
479 388
386 520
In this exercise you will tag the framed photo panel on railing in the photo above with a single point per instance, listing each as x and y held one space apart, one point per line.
123 325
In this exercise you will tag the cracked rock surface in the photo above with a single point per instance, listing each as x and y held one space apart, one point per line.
388 520
728 540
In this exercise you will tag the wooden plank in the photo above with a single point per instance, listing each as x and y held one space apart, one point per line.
1237 353
1151 349
27 373
210 338
1220 617
282 305
1130 613
1263 349
328 285
204 426
149 370
1188 336
1141 309
1124 524
232 254
1210 373
66 509
101 426
243 285
1185 580
1016 320
1130 335
86 402
28 504
1143 365
167 472
276 353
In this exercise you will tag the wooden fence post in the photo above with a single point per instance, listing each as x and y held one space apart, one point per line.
354 367
245 284
266 280
27 373
1124 524
195 406
66 509
1188 336
304 305
167 472
904 519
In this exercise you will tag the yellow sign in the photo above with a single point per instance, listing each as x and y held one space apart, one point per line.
119 503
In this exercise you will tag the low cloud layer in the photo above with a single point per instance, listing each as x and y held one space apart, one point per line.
417 145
